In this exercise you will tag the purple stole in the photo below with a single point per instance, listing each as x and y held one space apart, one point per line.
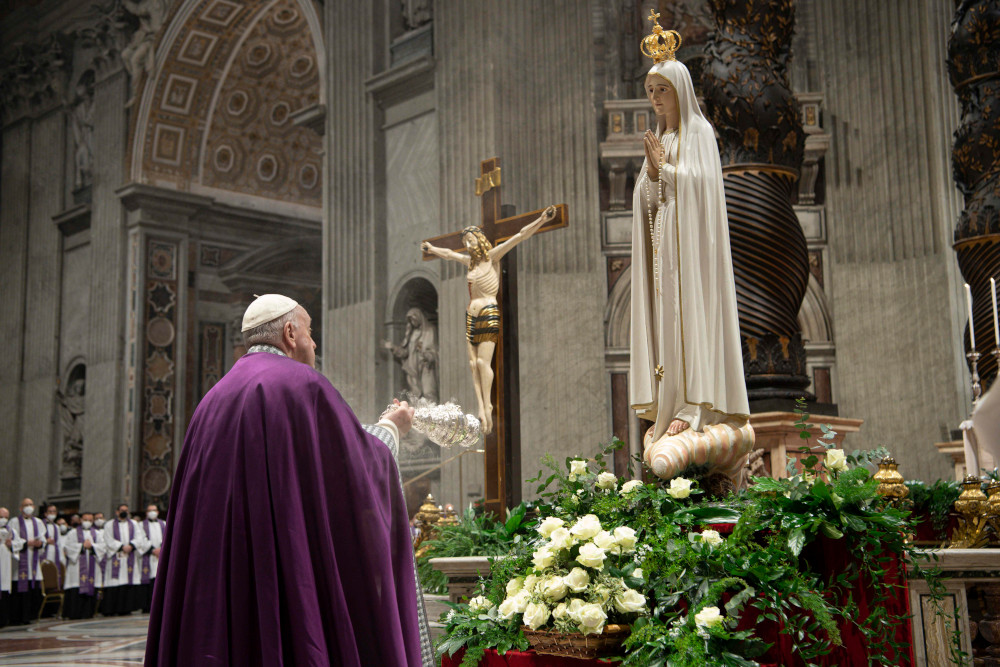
55 530
146 556
26 581
116 562
87 563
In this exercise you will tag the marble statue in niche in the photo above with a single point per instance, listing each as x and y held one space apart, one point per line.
71 416
81 120
417 13
417 355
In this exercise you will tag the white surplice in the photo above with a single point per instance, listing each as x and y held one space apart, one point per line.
33 528
74 551
152 539
686 359
6 560
114 552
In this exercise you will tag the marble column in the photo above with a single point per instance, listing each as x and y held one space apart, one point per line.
107 465
973 53
14 192
751 105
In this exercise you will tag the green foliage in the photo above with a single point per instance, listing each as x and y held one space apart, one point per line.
473 535
934 500
758 569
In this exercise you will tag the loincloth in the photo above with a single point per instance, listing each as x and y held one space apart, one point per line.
484 327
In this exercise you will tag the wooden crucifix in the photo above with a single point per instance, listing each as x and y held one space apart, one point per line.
491 324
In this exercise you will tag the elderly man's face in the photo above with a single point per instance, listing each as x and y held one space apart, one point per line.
304 348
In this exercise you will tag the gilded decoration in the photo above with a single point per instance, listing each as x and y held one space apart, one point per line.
257 63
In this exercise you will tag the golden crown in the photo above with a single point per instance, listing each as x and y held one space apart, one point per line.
662 44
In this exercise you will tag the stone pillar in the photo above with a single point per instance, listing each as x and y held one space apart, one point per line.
751 105
106 472
973 54
14 188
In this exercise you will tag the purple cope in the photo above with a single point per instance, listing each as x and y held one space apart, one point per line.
288 541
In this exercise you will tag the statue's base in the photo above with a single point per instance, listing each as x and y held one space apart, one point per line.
778 439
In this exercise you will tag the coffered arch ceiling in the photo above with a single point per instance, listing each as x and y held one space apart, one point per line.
216 116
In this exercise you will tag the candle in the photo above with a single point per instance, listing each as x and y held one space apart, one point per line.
968 300
996 325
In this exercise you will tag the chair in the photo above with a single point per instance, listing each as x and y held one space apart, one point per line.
51 590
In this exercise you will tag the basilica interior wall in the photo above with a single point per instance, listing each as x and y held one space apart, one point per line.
891 207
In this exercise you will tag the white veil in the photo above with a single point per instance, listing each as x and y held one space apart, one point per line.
712 359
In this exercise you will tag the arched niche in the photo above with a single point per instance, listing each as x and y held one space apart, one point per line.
70 400
415 292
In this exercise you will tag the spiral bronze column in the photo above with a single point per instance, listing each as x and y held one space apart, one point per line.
973 57
750 103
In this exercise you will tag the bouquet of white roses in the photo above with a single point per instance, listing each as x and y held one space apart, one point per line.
571 586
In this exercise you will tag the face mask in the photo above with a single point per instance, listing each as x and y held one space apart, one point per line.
86 525
63 529
28 510
151 515
3 521
51 518
123 515
99 523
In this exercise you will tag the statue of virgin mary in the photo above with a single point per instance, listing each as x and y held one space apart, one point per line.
686 372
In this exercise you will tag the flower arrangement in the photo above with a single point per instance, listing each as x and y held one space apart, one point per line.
699 580
577 579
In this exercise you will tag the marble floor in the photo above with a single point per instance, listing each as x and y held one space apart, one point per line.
98 642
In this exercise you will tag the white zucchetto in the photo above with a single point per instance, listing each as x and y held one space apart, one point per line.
265 308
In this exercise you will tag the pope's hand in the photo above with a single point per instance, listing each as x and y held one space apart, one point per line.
402 417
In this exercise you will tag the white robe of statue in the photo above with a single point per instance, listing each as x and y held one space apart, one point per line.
685 324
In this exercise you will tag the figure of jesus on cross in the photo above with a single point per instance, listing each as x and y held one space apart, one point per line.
482 317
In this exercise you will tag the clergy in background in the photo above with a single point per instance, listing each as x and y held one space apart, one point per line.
53 543
153 528
6 558
122 537
288 541
84 548
28 548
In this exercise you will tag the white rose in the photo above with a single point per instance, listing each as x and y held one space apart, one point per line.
606 541
550 524
607 480
553 589
711 537
543 558
625 537
630 601
591 555
602 592
586 527
561 539
836 460
560 612
709 617
631 485
590 619
573 609
536 615
577 580
529 583
680 488
637 573
514 586
521 601
479 604
578 467
507 608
